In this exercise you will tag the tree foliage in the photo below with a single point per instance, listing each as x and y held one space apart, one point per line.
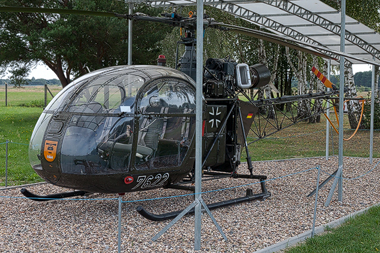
365 11
364 78
71 44
18 76
366 124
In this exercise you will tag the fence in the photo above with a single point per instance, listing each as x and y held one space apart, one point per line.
11 100
120 202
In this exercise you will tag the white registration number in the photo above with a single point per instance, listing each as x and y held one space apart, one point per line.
146 182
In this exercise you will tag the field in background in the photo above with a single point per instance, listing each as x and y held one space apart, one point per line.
26 95
301 140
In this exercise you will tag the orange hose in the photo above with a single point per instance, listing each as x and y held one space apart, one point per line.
336 115
357 128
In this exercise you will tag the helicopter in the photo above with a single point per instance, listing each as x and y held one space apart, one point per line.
132 128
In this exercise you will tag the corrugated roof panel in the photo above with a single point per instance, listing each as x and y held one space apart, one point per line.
359 28
262 9
336 17
312 30
314 5
290 20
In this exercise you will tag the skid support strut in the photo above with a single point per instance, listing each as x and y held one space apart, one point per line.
248 197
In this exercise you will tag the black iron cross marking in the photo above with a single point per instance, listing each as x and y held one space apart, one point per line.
214 120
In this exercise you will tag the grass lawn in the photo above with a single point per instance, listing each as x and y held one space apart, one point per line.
359 234
16 125
26 95
309 140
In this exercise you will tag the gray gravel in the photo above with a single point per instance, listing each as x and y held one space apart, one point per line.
91 226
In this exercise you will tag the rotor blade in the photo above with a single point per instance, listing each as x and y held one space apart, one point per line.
292 43
57 11
137 16
326 82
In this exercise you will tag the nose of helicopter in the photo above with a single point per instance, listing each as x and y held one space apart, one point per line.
111 121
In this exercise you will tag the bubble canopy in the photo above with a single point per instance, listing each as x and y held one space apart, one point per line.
113 121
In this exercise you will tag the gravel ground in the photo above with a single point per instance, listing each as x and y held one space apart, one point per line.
91 226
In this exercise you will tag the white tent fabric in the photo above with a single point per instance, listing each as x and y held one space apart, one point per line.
309 21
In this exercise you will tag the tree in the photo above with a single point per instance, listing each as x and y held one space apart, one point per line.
353 106
18 76
71 44
317 86
299 69
366 12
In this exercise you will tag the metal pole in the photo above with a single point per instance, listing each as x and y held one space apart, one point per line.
316 203
198 202
372 115
341 99
198 127
328 114
339 174
45 95
6 163
130 22
119 228
6 94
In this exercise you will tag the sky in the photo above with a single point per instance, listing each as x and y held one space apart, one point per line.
42 71
361 67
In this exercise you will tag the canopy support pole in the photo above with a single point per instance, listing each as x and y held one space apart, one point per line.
198 202
328 113
198 128
338 178
130 23
372 114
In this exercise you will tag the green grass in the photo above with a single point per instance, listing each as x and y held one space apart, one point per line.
359 234
17 122
309 140
26 95
16 126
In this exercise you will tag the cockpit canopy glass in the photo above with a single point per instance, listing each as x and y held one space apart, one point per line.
94 121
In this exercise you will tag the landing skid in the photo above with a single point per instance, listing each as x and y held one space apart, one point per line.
35 197
248 197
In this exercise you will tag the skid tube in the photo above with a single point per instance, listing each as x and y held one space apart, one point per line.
35 197
248 197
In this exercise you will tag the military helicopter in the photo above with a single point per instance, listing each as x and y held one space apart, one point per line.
131 128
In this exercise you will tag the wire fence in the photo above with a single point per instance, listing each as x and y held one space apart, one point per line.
14 97
120 201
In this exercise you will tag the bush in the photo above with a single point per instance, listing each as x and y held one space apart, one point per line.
34 103
367 115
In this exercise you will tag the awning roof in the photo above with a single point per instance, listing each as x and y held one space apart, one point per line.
310 21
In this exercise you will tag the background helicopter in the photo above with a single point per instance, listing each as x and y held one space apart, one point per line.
131 128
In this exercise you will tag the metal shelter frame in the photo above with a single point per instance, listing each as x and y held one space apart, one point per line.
309 21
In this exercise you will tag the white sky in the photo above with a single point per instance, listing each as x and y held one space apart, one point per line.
42 71
361 67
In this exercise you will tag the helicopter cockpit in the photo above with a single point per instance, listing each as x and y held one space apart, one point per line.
118 119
